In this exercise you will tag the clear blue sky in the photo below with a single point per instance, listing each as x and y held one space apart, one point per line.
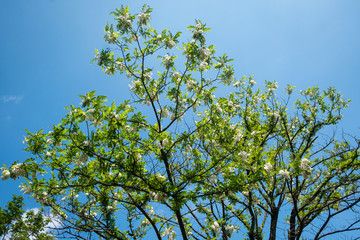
46 47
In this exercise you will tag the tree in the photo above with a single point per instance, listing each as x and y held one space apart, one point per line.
16 223
176 161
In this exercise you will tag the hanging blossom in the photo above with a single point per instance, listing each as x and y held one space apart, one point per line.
204 53
191 84
120 66
304 165
5 174
203 66
165 113
169 232
111 37
213 179
243 155
172 117
126 22
268 167
170 44
17 170
25 188
216 227
145 223
285 173
168 61
198 32
144 18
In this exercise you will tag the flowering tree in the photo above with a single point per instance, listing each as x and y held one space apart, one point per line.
16 223
195 166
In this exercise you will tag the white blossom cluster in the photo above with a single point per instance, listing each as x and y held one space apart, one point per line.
285 173
198 31
169 232
125 20
168 61
305 166
144 18
17 170
170 44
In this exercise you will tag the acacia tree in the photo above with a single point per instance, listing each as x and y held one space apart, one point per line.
195 166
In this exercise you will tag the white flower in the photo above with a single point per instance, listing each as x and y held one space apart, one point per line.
158 145
285 173
108 71
48 154
17 170
91 110
231 228
5 174
145 223
172 117
268 167
245 193
166 232
176 75
25 140
203 66
238 137
26 189
120 65
116 116
125 20
204 53
243 155
170 44
49 141
168 61
86 143
165 142
151 212
143 18
134 85
128 74
213 179
188 149
304 165
165 113
215 226
158 38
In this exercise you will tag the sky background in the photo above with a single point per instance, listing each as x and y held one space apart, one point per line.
47 45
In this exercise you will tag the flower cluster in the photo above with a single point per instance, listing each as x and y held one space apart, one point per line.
268 167
198 32
111 37
124 21
305 166
169 232
285 173
170 44
144 18
168 61
5 174
204 54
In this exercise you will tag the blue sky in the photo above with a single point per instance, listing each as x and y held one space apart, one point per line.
46 48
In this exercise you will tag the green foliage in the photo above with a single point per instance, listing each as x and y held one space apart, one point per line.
195 165
16 223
